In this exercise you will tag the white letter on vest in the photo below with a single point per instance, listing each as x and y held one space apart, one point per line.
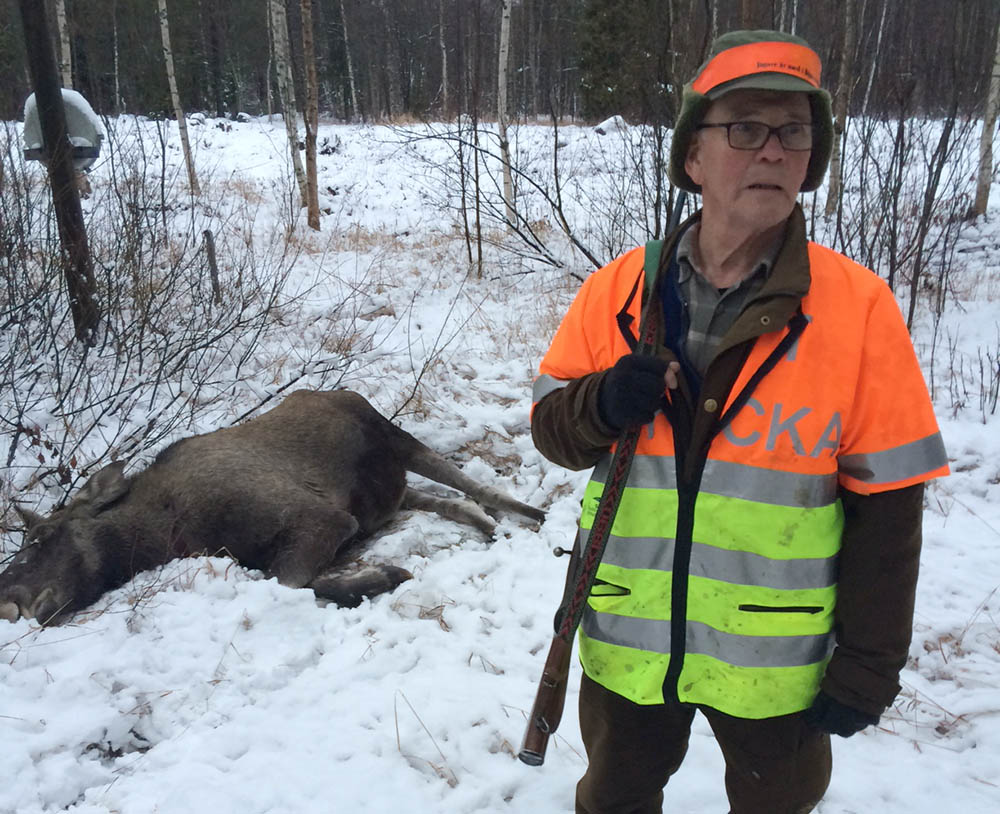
825 441
788 425
752 438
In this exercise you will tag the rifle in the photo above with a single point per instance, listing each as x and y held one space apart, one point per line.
546 713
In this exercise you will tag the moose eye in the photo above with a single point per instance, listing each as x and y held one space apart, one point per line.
26 554
41 533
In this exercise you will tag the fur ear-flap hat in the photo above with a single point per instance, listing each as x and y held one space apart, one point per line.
763 60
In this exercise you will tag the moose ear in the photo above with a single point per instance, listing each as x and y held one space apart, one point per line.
28 517
105 486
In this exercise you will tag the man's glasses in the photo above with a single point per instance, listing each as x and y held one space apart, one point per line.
794 136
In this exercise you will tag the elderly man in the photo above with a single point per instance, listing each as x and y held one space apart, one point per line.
762 565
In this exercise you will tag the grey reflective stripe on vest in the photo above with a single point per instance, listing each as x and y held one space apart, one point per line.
908 461
742 651
727 479
544 385
627 631
737 567
757 651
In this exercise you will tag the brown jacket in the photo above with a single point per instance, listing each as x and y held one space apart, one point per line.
880 547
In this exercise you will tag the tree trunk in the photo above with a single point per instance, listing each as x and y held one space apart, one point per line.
78 267
508 185
311 113
270 62
215 49
392 66
875 60
286 91
461 60
168 58
119 105
65 56
840 105
752 14
444 60
789 13
355 111
986 137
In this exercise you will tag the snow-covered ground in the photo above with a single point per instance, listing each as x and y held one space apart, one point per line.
205 688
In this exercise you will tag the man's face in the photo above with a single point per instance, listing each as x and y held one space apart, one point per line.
749 190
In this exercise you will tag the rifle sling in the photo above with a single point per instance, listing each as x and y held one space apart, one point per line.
579 585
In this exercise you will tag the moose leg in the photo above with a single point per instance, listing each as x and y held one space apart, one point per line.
309 543
457 509
347 585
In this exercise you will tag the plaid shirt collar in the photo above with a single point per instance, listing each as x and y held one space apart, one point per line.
709 311
687 252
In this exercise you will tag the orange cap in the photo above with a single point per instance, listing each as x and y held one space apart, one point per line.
789 58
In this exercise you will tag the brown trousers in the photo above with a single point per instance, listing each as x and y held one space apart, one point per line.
773 766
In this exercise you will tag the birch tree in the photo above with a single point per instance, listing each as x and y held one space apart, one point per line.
168 58
355 112
270 62
286 90
986 137
311 113
65 57
840 104
119 103
444 59
875 61
789 13
508 185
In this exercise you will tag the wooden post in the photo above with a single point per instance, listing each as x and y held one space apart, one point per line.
77 264
213 265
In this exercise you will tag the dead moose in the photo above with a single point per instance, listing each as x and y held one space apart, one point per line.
283 493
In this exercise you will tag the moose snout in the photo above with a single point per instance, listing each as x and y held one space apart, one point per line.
46 606
17 601
10 611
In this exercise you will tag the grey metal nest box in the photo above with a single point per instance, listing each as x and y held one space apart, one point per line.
85 130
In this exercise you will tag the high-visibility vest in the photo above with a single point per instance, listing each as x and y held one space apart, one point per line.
753 545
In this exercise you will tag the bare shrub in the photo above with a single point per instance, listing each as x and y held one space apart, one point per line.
170 359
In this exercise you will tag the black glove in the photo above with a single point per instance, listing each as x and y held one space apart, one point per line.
631 391
829 715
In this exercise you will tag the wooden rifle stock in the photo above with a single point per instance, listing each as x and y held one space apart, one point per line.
549 701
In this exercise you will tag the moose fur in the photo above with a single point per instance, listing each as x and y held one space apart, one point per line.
283 492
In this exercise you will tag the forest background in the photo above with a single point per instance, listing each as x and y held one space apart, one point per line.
378 59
